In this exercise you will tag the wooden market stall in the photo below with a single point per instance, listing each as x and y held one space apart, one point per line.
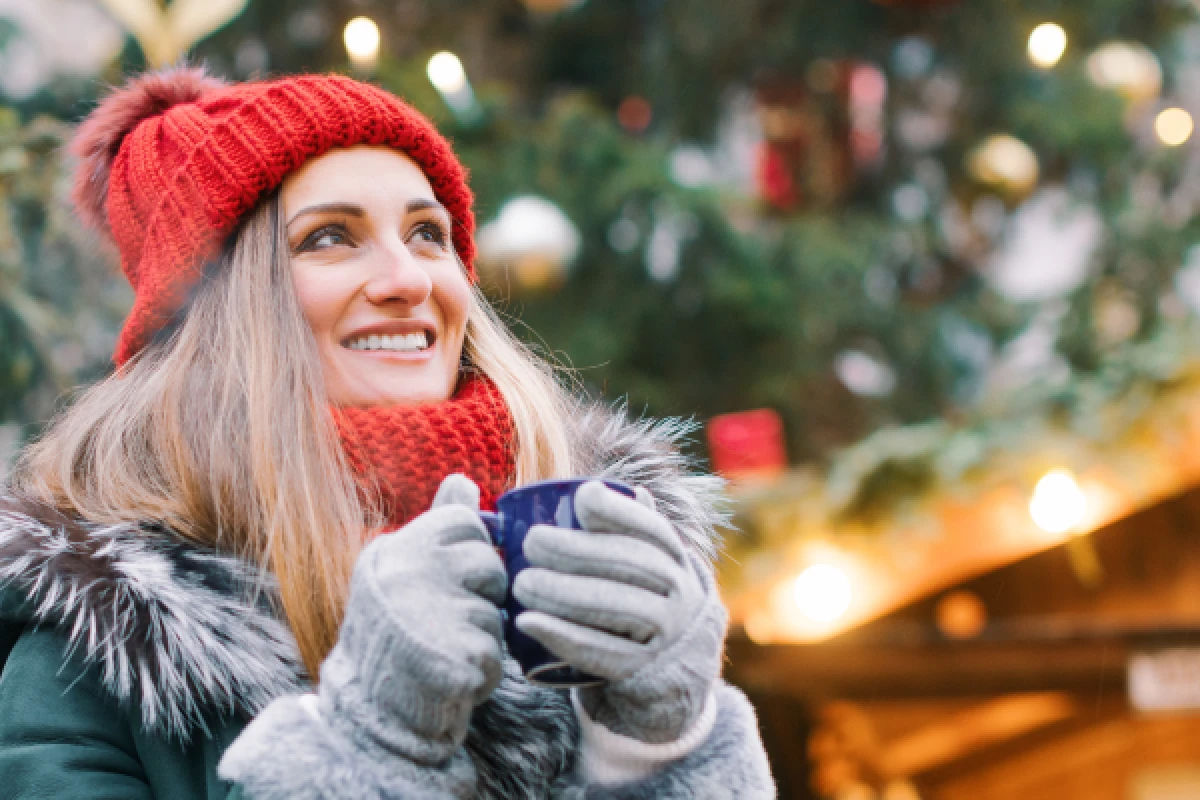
976 654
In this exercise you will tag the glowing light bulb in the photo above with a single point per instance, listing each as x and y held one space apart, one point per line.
361 37
1047 44
822 593
446 73
1174 126
1058 504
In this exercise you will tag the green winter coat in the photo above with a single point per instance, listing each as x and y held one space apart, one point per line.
131 660
63 736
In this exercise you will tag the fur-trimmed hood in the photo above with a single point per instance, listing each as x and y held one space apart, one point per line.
181 634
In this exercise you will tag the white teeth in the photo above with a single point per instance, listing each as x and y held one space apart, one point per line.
400 342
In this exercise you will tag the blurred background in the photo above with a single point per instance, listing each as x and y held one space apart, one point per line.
926 271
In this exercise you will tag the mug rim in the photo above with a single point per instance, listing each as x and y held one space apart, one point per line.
610 482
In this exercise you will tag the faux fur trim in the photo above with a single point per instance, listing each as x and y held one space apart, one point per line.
170 627
175 632
651 453
526 725
730 763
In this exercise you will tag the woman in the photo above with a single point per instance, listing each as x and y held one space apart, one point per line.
197 599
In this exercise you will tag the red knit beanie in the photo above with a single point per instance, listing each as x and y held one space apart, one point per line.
171 162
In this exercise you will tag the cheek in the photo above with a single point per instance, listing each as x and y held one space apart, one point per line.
454 301
321 299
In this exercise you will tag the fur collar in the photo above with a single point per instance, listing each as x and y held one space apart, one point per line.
176 632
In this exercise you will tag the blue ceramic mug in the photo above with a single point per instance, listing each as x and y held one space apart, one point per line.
518 510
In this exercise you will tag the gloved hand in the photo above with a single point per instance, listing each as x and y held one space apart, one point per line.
627 600
420 645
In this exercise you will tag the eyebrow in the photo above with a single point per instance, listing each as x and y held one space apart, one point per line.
352 210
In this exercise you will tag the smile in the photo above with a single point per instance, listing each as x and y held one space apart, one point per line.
396 343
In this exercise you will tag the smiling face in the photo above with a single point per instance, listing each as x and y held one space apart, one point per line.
376 276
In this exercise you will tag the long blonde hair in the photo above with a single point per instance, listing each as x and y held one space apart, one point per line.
220 430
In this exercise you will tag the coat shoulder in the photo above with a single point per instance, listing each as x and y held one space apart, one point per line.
172 630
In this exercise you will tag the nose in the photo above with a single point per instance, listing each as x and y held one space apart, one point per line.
398 279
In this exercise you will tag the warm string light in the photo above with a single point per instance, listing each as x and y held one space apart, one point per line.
447 75
1058 504
1174 126
1047 44
362 39
822 592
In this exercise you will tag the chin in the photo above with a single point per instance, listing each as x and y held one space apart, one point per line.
410 393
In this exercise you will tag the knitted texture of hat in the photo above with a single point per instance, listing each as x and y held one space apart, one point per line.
404 452
171 163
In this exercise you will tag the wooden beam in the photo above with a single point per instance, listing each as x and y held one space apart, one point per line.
922 668
973 730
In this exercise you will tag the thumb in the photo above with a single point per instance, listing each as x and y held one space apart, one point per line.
457 489
643 496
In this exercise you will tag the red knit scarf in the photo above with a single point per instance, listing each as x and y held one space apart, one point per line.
406 451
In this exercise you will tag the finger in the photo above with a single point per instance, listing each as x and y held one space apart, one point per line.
623 559
614 607
602 510
484 652
484 617
457 489
593 651
478 569
453 524
643 496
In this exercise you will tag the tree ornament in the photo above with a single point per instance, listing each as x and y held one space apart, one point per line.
531 240
747 444
1129 68
1004 163
773 179
167 34
821 132
1048 250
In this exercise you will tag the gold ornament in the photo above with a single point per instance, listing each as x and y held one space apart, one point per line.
1006 163
1128 68
167 34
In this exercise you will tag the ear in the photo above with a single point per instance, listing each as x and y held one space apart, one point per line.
99 138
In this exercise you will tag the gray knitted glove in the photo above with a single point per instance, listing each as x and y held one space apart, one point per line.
420 645
627 600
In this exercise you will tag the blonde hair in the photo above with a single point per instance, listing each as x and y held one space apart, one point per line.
220 430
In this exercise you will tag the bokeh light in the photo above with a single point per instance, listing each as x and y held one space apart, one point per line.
446 73
361 37
1058 504
1047 44
1174 126
822 592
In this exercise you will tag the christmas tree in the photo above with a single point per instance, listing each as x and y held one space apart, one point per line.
863 215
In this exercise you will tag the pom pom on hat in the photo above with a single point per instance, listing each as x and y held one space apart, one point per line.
99 138
171 163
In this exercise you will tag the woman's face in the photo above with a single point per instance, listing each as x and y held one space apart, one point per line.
377 278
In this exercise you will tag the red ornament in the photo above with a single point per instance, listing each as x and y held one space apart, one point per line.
773 178
635 113
747 444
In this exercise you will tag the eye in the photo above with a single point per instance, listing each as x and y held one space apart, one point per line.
430 232
325 237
